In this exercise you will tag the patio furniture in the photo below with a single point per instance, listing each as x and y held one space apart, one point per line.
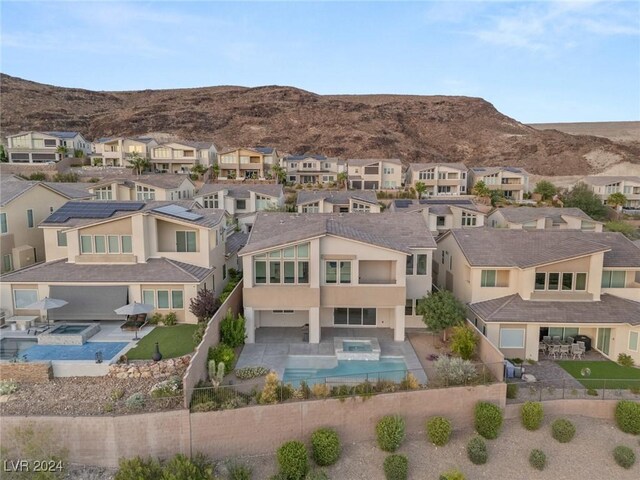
47 304
22 322
556 340
582 346
564 351
547 339
554 351
584 339
576 351
570 340
542 347
136 316
305 332
512 371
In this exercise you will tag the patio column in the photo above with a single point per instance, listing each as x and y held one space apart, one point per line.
250 325
398 331
314 325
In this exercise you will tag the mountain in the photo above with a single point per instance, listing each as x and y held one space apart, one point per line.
410 127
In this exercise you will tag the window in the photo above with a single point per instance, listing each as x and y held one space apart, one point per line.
488 278
211 201
49 143
387 170
145 193
7 263
289 272
512 338
23 298
289 252
567 281
186 241
633 341
613 279
282 311
425 175
274 272
554 281
163 298
177 299
303 250
126 244
241 204
311 208
440 221
409 268
408 306
149 297
3 223
30 218
224 272
581 281
468 219
345 272
354 316
541 281
340 316
360 208
114 244
331 270
260 271
62 238
303 272
103 193
86 244
100 245
421 264
443 257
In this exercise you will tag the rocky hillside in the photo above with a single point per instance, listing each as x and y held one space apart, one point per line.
413 128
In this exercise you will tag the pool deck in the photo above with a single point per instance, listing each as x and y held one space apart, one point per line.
274 344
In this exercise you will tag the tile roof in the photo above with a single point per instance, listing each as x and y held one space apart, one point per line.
235 242
491 170
388 230
161 180
242 191
337 197
155 270
63 134
435 205
303 157
605 180
530 214
416 167
264 150
494 247
71 190
11 188
359 162
513 309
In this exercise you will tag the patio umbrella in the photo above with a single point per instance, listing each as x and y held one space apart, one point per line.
47 304
134 308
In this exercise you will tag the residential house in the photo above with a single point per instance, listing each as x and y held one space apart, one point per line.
521 285
511 181
254 163
543 218
439 178
312 168
44 147
335 270
115 152
604 186
181 156
337 201
159 186
442 215
374 174
103 255
23 205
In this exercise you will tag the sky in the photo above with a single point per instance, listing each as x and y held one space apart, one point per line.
542 61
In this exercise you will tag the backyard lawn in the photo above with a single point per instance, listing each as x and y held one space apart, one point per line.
603 370
173 341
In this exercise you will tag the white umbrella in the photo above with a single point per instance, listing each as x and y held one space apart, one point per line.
47 304
134 308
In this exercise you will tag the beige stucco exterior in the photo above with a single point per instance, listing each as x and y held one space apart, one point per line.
440 179
312 170
496 219
513 184
177 157
137 188
41 147
246 163
629 186
375 174
115 152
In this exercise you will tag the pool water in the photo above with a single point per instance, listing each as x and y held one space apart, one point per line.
349 371
74 352
11 348
348 346
69 329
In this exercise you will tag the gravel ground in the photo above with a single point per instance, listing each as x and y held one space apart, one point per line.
588 455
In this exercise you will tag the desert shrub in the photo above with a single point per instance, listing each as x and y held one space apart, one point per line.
625 360
107 407
38 176
170 319
409 382
563 430
512 390
66 177
532 414
325 446
166 388
477 451
156 318
182 467
136 401
628 416
247 373
239 471
624 456
269 392
537 459
138 468
396 467
199 333
293 460
438 430
488 419
454 370
320 390
592 391
453 474
463 342
222 353
116 394
7 387
390 432
232 330
303 391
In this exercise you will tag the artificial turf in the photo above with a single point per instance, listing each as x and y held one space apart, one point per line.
173 341
603 374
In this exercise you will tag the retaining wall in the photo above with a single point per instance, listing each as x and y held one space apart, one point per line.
489 354
26 372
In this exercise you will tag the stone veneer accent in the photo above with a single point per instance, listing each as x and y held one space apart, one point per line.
34 372
161 369
51 338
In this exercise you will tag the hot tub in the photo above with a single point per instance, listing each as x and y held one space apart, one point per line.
68 334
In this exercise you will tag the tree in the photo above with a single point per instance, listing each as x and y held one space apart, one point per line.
480 189
420 189
137 163
215 170
62 150
199 170
342 179
204 305
545 189
441 310
617 200
496 196
3 154
625 228
77 153
581 196
279 173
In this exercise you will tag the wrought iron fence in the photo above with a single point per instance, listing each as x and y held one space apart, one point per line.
585 388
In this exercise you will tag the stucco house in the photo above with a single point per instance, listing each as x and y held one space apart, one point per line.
337 201
43 147
374 174
335 270
180 156
115 152
543 218
442 215
312 168
254 162
603 186
439 178
159 186
513 182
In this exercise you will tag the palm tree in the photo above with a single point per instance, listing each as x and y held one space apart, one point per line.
215 170
62 150
420 189
138 163
616 200
342 179
279 173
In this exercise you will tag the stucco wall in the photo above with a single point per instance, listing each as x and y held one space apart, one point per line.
26 372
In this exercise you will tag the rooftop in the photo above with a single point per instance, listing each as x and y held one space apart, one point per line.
304 157
235 242
337 197
242 191
606 180
158 180
436 206
416 167
11 188
360 162
530 214
492 170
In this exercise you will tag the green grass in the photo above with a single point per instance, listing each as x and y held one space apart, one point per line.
174 342
603 370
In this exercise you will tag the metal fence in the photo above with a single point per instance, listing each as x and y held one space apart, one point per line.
594 389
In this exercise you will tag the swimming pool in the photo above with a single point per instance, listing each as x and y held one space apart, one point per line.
11 348
350 371
87 351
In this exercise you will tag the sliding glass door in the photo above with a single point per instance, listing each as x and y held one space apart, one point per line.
604 339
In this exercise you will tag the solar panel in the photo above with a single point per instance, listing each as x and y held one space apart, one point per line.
91 210
178 211
403 203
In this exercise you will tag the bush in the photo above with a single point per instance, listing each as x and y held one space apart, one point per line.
625 360
477 451
7 387
325 446
38 176
136 401
563 430
170 319
396 467
199 333
156 318
438 430
66 177
532 414
624 456
182 467
390 432
512 390
463 342
293 460
138 469
454 370
454 474
320 390
270 391
232 330
116 394
409 382
247 373
239 471
204 305
223 353
488 420
537 459
628 416
166 388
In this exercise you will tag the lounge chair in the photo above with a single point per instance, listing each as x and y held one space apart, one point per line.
134 322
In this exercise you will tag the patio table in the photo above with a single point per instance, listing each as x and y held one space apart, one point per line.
23 322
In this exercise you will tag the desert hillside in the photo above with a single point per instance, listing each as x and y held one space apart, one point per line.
413 128
617 131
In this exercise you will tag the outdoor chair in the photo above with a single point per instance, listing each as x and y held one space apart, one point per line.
546 339
582 347
556 340
576 351
542 347
570 340
564 351
553 351
305 332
